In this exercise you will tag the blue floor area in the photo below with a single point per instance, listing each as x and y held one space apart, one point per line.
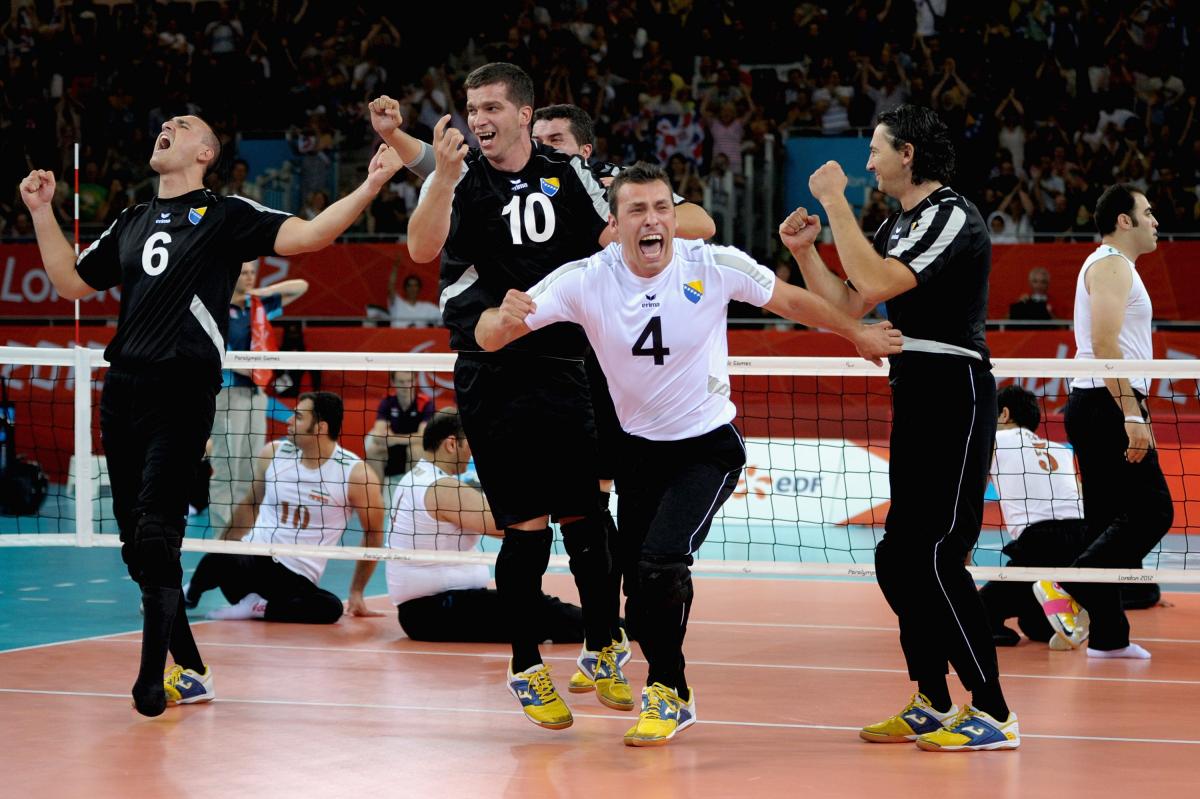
52 594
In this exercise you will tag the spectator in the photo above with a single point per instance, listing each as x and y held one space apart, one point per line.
394 441
1036 303
240 424
831 103
407 309
239 184
727 129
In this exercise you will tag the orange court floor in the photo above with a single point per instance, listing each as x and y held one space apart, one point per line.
785 672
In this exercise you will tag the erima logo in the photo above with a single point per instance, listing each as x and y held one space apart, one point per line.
550 186
650 303
196 214
518 184
693 291
651 297
164 218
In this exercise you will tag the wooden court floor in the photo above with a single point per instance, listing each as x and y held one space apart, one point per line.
785 671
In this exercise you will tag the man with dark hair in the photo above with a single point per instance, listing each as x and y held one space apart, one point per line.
654 308
434 509
568 129
305 489
929 262
1126 501
1043 514
176 259
393 443
503 217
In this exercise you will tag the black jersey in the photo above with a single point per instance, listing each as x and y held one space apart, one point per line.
508 230
607 169
945 243
177 261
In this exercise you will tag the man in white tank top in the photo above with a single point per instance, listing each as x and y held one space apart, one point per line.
1043 512
654 309
305 489
1127 504
433 509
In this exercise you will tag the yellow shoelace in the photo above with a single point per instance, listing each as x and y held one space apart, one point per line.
542 685
173 676
658 696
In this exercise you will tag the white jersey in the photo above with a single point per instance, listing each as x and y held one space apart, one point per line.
660 340
304 506
412 527
1035 479
1135 340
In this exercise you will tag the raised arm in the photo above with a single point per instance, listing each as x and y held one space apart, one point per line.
1108 283
298 235
58 254
386 120
288 290
874 277
429 225
873 342
799 234
366 497
691 222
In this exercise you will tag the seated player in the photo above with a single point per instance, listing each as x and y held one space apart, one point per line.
304 491
434 509
1039 496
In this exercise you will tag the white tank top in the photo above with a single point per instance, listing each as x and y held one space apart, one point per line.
304 506
1035 479
412 527
1134 340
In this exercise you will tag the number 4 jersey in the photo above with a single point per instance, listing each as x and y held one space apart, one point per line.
304 506
660 340
176 261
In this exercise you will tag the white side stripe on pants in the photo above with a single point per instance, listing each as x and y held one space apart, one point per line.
953 519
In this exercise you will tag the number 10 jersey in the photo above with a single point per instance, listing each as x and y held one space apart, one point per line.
508 230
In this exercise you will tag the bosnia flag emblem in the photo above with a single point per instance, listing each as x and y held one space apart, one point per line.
196 214
550 186
693 291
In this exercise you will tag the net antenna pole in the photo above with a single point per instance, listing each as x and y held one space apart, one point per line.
77 340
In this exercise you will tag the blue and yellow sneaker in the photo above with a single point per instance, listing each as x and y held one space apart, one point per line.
187 687
604 670
664 715
582 680
534 689
917 718
972 730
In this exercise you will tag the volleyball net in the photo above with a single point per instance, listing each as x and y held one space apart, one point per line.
811 501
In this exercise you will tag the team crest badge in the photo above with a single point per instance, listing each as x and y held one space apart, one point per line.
550 186
693 291
196 214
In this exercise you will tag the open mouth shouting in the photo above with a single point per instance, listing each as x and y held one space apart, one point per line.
651 246
163 143
486 137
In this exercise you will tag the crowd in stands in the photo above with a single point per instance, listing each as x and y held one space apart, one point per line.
1048 101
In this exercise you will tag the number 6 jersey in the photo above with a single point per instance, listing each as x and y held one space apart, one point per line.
176 261
661 340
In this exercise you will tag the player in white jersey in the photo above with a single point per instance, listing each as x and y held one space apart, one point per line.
654 310
1043 512
1126 502
432 508
305 489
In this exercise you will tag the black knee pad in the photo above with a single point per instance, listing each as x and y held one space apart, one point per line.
156 549
523 552
586 538
664 581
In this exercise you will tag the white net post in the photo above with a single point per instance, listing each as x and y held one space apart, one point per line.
83 447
